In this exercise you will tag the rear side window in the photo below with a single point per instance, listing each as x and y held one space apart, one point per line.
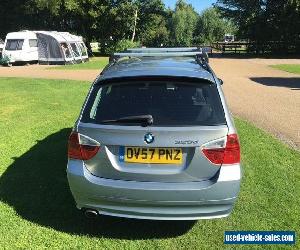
14 44
169 103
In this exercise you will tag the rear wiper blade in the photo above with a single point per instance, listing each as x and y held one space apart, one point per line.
144 120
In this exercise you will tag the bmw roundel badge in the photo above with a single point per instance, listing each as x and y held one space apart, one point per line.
149 138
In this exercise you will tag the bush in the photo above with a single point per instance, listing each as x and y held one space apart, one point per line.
111 47
4 60
125 44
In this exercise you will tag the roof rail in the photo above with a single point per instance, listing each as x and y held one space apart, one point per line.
200 56
161 52
154 54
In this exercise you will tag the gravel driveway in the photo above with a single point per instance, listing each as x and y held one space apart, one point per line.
267 97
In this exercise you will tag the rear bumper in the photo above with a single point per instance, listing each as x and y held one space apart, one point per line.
150 200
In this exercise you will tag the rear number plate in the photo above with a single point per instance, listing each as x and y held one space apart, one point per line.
151 155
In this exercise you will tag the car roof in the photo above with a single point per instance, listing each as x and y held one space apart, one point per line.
157 66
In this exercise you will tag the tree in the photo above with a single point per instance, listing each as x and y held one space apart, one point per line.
183 24
263 21
11 16
75 16
211 27
152 23
106 21
283 20
246 13
156 33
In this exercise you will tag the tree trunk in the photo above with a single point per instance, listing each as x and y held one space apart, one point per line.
134 27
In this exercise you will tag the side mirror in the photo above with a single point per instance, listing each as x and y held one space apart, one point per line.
220 81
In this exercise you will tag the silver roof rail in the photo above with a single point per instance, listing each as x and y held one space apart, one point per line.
162 50
200 56
156 54
197 53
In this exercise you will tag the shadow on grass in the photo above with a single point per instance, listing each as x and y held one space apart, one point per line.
36 186
292 83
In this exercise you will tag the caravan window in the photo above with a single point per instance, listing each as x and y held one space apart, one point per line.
83 49
14 44
75 50
66 50
33 43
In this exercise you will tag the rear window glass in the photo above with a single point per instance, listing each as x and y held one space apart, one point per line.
14 44
169 103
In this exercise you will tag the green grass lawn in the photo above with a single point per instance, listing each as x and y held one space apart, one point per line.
292 68
37 210
93 63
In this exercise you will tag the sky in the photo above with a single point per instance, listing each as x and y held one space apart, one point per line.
199 5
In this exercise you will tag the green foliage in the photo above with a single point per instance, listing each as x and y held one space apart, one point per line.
183 22
4 60
12 16
122 17
125 44
263 21
291 68
53 6
152 23
211 27
155 33
111 21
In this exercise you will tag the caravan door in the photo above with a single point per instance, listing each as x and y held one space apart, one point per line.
32 54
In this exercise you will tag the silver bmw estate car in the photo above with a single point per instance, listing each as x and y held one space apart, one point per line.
155 140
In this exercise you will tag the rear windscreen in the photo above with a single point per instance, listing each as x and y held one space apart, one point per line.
169 103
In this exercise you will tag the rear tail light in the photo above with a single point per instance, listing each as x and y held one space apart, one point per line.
223 151
82 147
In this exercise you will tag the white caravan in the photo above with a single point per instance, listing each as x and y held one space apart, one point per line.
21 47
45 47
